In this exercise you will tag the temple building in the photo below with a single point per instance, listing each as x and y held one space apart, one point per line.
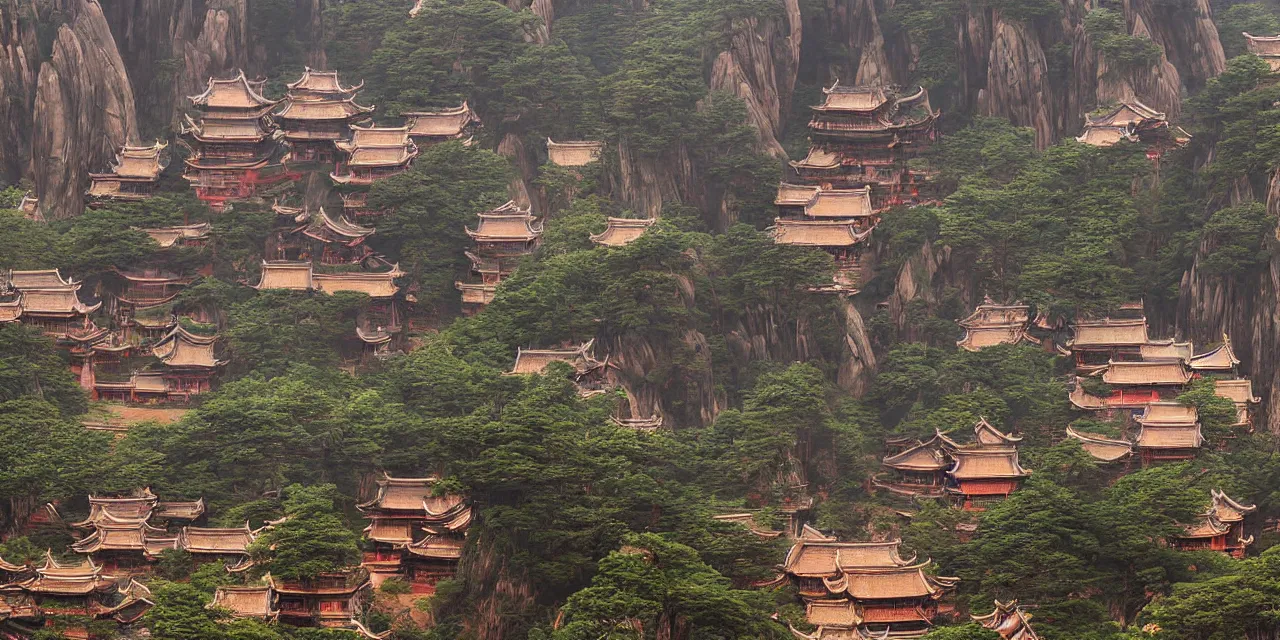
82 589
372 154
430 127
1009 621
189 362
1219 360
378 322
1265 47
124 544
246 602
1239 392
591 375
504 235
232 143
319 235
134 175
1132 122
864 587
228 545
992 324
1097 342
1169 431
1222 528
985 475
973 475
573 154
919 470
416 534
46 300
622 231
328 600
190 235
1160 375
1103 449
864 136
840 238
318 112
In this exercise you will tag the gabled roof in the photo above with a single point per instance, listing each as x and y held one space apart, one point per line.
794 195
181 348
889 583
1166 350
12 310
246 602
622 231
449 123
1100 136
382 156
1262 46
837 614
818 158
1160 373
438 547
321 226
1103 449
232 93
926 456
1228 510
990 314
43 279
168 236
179 509
840 203
863 99
1221 358
375 137
283 274
1167 413
1009 621
1238 391
322 110
56 579
507 223
1126 113
374 285
989 436
1170 437
418 497
61 301
320 83
137 163
203 540
109 535
531 361
987 464
978 338
209 130
136 508
817 233
573 154
1109 332
812 559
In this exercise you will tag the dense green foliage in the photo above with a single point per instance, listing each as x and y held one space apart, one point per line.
584 529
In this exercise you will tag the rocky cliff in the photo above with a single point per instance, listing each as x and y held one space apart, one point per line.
83 109
1247 308
20 60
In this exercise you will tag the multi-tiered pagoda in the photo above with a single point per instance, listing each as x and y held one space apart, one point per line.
318 111
504 235
133 176
374 153
416 534
232 143
864 136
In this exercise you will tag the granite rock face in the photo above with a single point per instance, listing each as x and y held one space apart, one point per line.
83 110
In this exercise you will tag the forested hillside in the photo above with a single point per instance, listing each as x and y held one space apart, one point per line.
660 319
